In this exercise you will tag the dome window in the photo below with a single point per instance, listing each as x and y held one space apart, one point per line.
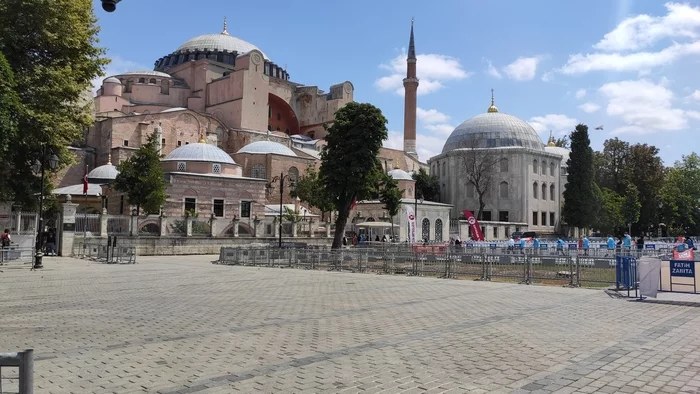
152 81
216 168
142 80
181 166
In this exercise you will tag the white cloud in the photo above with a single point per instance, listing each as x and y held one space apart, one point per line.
695 95
491 70
641 31
638 61
432 70
117 66
523 68
627 48
589 107
427 146
581 93
645 107
431 116
558 123
442 129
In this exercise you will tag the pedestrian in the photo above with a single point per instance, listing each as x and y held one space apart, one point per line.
51 242
611 246
5 241
535 244
511 245
627 243
586 245
560 246
522 245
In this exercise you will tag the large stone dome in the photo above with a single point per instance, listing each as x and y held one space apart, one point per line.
103 174
218 42
266 147
199 152
493 130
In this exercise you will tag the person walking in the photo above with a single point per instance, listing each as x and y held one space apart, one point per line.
5 242
51 242
560 246
611 246
522 245
535 244
627 244
586 245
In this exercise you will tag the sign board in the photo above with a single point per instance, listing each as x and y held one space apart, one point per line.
650 246
470 245
68 226
573 246
493 246
544 246
685 269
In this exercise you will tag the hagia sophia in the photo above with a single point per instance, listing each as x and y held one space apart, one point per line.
229 121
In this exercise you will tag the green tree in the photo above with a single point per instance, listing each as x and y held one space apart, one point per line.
9 121
613 170
610 217
562 142
310 189
427 186
390 196
680 196
141 178
350 168
580 199
646 172
631 206
50 46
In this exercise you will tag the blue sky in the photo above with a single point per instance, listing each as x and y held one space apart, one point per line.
630 66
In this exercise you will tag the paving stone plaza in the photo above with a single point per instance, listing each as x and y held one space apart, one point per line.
183 325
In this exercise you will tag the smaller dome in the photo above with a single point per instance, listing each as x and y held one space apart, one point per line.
267 147
112 80
147 72
103 173
400 175
200 152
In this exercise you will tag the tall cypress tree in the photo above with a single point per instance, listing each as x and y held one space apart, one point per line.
580 199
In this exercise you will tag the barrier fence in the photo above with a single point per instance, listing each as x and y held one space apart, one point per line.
110 252
23 383
16 257
569 270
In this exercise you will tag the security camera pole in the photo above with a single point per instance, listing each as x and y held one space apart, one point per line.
110 5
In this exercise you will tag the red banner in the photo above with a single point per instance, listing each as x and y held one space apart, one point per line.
687 254
473 225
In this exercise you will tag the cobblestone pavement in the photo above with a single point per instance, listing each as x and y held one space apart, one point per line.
183 325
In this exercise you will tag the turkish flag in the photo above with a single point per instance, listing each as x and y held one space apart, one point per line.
474 225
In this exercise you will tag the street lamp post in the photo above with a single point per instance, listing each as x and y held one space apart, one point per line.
415 213
39 166
281 179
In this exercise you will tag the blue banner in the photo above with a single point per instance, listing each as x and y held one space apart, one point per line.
573 246
544 246
649 246
685 269
493 246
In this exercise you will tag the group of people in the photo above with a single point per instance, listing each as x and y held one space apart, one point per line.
365 238
49 241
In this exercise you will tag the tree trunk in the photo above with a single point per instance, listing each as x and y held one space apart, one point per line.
392 227
482 204
340 223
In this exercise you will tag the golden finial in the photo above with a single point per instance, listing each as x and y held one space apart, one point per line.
492 108
109 157
552 141
225 25
201 139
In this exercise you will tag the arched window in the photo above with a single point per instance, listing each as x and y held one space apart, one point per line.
269 128
164 86
503 190
534 190
438 169
258 171
438 230
443 168
443 195
152 81
544 190
552 169
293 174
426 228
552 192
504 165
216 168
142 80
534 166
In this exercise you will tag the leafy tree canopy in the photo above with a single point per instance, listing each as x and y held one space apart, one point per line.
610 218
427 185
350 168
51 48
630 204
311 190
390 196
141 178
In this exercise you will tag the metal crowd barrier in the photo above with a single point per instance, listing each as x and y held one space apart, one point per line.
571 270
110 253
16 257
25 362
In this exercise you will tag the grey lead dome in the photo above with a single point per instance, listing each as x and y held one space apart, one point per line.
493 130
265 147
218 42
199 152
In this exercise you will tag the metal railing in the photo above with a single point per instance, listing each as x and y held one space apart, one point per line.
572 270
16 257
25 362
110 252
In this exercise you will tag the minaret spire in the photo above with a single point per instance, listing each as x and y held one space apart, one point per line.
411 45
410 85
225 32
492 108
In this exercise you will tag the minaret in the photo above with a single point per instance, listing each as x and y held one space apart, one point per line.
410 85
158 130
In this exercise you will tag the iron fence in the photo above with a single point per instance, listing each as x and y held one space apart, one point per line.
118 225
89 223
23 382
569 270
23 223
110 252
16 257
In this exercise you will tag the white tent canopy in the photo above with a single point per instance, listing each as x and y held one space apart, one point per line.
374 224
